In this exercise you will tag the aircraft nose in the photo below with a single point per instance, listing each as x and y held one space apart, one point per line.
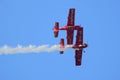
85 45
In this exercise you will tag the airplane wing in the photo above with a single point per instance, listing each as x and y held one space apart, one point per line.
79 40
78 57
79 37
71 17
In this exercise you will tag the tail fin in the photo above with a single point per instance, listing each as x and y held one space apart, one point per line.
61 46
56 29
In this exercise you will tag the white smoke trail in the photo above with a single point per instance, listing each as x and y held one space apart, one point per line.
31 48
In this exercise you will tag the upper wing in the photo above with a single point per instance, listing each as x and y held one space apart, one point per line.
79 37
78 57
71 17
79 40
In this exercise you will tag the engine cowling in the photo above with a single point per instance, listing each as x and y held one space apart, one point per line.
84 45
56 29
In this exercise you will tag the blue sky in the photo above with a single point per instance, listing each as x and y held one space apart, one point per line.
31 21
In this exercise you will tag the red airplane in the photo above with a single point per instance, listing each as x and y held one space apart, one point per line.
70 27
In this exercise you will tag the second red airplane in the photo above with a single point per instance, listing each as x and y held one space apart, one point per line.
70 27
